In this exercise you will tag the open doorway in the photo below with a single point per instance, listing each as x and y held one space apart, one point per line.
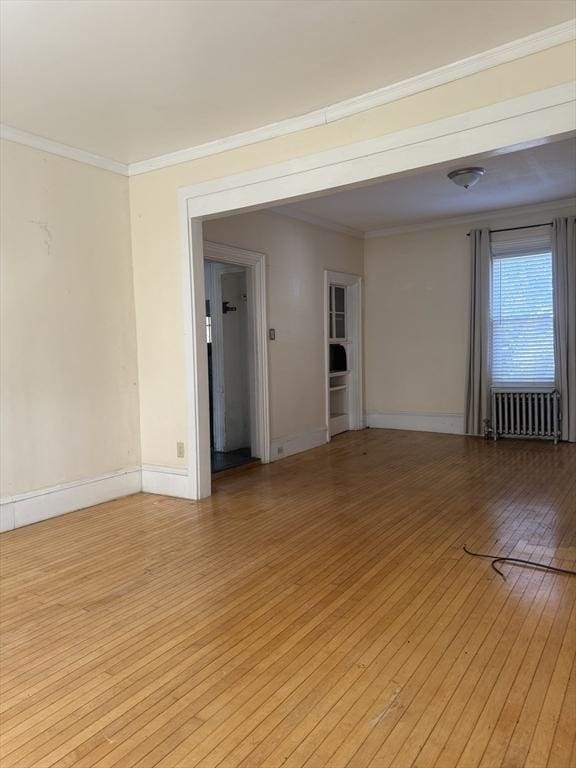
237 367
228 335
489 132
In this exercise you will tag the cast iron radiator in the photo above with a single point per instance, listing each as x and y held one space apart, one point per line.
526 414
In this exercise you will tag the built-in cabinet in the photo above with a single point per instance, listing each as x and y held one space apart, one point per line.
338 359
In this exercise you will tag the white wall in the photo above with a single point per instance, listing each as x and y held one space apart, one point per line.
416 324
69 390
297 255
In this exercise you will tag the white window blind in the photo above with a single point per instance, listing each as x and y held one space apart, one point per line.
522 316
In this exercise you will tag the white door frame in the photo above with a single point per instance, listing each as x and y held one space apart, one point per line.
255 265
354 286
522 121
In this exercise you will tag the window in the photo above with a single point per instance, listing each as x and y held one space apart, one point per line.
522 320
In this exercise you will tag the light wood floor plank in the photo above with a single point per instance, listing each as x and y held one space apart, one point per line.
314 612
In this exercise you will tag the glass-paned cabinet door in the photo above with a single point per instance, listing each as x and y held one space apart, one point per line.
337 312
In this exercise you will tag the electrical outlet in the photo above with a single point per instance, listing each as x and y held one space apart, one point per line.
280 450
180 450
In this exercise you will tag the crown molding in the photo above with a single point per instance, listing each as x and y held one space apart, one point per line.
516 49
318 221
235 141
476 218
62 150
502 54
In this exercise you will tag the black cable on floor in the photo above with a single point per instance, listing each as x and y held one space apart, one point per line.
497 559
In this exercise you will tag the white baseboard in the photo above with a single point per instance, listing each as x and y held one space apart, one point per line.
287 445
26 508
166 481
449 423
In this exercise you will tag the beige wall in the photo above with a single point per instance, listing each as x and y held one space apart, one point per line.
69 373
155 226
416 317
416 321
297 255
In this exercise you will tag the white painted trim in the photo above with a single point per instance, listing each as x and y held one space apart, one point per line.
479 62
522 119
516 49
318 221
232 255
339 424
511 51
297 443
62 150
227 143
326 336
448 423
197 393
44 503
161 469
477 218
194 252
167 481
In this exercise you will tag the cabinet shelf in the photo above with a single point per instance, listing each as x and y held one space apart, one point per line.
339 387
332 374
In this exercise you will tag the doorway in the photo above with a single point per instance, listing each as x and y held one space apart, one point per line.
237 366
496 127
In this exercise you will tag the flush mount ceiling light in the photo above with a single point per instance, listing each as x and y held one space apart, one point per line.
466 177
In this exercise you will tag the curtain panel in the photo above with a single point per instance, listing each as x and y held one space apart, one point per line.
478 374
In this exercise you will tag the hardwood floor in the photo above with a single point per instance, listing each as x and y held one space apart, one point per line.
318 611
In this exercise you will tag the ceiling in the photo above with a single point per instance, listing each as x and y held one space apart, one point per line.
536 175
134 79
